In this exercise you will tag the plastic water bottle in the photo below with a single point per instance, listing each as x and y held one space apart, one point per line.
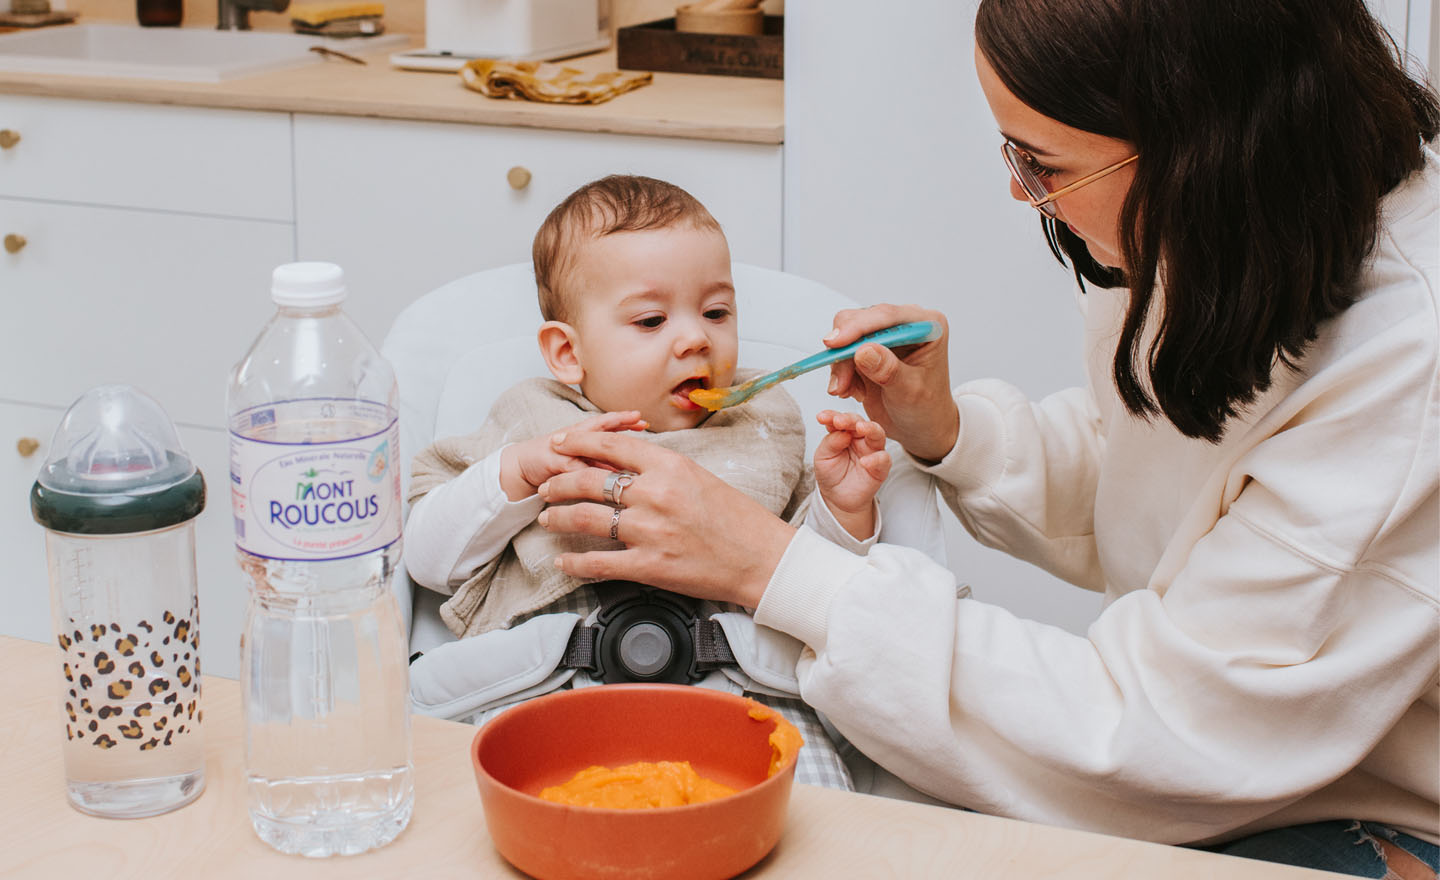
315 486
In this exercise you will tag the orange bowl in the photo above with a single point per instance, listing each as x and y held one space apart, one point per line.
548 740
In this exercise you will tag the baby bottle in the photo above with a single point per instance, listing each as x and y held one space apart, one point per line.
118 498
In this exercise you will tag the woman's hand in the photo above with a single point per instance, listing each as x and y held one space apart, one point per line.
525 465
683 528
906 390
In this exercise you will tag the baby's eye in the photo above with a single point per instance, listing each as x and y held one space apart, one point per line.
719 313
651 322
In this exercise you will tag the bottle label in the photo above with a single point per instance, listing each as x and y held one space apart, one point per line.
315 488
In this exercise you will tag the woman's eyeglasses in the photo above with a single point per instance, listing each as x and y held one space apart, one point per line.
1023 168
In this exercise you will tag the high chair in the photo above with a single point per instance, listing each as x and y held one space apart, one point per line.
457 348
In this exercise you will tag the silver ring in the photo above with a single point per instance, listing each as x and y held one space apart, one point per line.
615 525
615 483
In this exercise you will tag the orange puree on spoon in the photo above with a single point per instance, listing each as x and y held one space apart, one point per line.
646 784
709 398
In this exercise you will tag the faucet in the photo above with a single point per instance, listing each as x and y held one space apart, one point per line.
234 15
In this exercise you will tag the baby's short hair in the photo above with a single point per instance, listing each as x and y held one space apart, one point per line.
618 203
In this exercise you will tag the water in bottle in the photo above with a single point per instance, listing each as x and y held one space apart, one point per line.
315 486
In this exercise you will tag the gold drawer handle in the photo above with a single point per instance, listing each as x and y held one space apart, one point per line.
518 177
13 243
26 446
9 137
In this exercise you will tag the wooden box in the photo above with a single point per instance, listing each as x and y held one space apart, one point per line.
656 45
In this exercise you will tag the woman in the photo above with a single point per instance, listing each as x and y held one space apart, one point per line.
1250 474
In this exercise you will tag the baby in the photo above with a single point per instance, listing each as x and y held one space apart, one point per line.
639 309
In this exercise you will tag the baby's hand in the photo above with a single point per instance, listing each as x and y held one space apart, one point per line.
850 464
527 464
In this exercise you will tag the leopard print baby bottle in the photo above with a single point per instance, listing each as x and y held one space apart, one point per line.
118 497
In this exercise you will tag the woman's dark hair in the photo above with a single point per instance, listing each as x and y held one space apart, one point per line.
1267 130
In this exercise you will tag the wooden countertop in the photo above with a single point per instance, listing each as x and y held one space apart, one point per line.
829 833
723 108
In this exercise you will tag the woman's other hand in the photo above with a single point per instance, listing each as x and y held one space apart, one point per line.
525 465
683 528
850 466
906 390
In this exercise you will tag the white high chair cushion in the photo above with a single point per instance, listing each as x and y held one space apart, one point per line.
513 662
440 327
480 376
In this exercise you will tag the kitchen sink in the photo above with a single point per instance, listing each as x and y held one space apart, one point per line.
183 54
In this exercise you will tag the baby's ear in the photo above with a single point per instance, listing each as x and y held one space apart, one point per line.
559 345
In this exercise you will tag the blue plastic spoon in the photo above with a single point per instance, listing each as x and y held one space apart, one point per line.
891 337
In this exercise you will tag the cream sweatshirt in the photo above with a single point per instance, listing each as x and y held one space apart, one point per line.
1269 650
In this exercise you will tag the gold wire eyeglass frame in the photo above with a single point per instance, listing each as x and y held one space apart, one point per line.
1018 161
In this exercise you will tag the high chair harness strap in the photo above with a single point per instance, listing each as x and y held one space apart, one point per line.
647 635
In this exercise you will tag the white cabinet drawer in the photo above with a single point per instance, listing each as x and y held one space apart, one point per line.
25 602
408 206
166 302
224 162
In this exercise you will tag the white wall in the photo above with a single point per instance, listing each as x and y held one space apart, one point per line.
1413 25
895 192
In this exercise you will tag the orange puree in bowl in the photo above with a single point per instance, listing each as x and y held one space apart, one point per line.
638 786
646 784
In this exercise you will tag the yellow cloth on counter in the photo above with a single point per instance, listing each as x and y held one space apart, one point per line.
323 11
548 83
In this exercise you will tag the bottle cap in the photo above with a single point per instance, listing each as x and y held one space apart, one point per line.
307 284
116 466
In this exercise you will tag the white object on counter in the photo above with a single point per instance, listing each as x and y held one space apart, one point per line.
457 31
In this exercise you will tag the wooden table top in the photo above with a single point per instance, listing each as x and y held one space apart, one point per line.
828 834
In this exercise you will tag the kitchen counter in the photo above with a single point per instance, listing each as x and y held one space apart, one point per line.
828 833
721 108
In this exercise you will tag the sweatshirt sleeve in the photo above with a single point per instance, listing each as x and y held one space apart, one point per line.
462 524
1176 718
1022 476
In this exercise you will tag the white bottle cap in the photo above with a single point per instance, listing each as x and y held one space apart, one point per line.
307 284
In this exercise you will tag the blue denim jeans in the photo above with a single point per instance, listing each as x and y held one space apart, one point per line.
1345 847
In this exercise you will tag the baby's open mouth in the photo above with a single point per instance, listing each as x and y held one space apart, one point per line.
680 395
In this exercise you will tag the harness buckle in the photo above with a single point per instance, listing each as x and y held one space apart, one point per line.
643 634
